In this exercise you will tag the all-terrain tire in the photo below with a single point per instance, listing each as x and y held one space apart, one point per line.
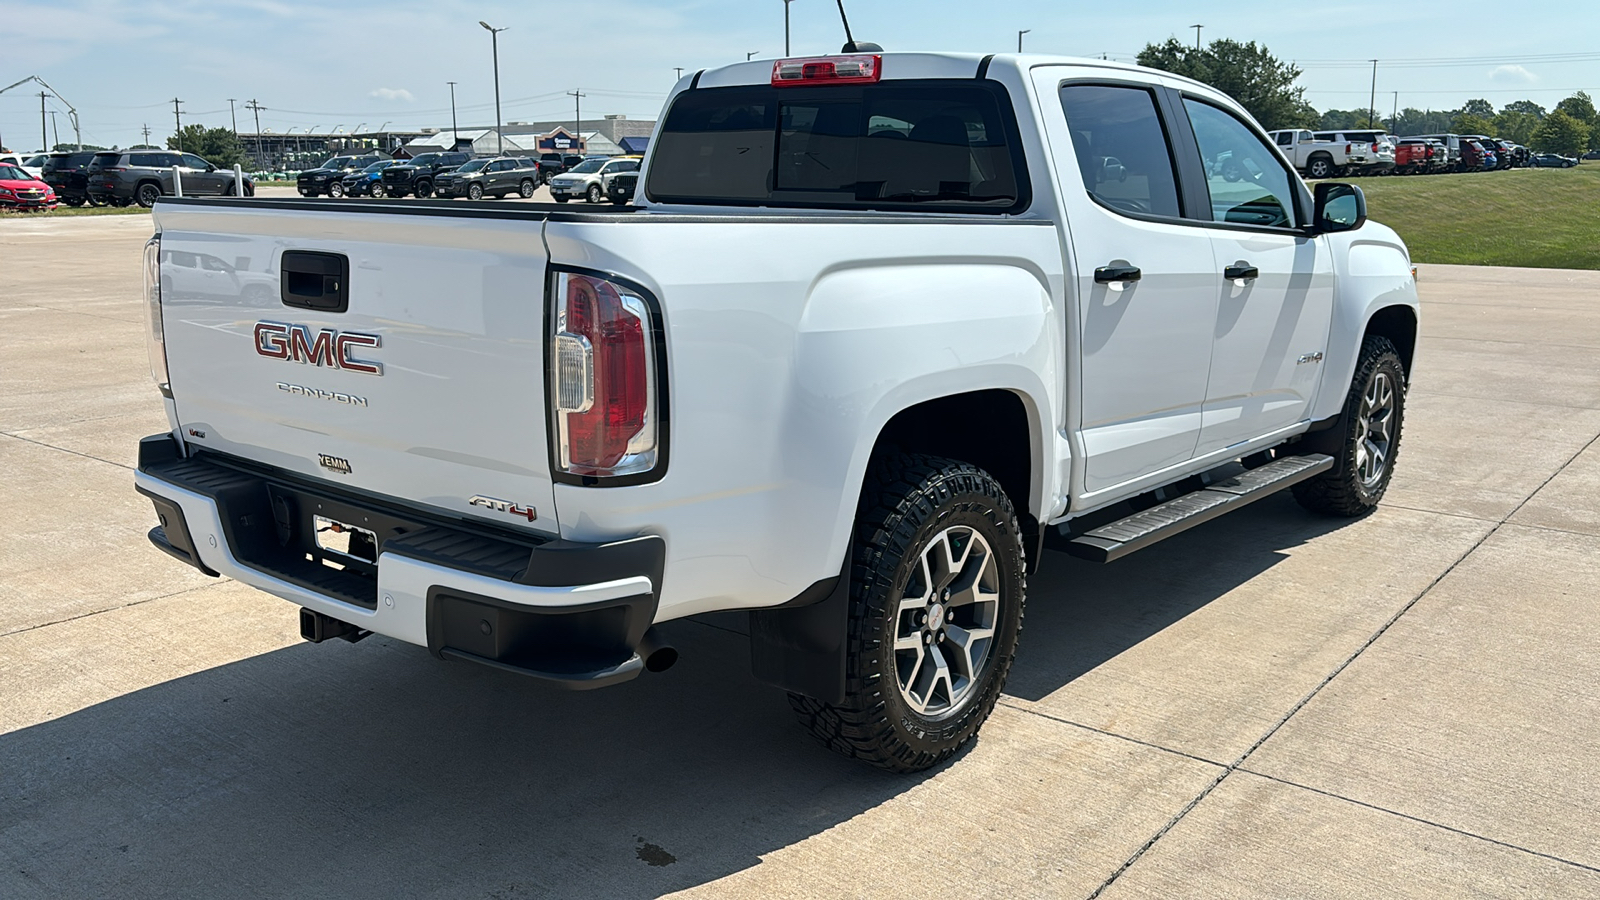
1345 490
907 504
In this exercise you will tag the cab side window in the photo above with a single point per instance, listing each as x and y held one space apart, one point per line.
1246 182
1122 148
194 162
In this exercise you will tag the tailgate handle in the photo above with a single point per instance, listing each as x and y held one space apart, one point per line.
314 280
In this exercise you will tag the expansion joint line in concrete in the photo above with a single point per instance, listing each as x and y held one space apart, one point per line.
18 437
1328 679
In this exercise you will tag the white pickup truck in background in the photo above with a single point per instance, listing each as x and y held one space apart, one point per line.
879 328
1312 156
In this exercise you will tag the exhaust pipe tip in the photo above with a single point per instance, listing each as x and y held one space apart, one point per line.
658 655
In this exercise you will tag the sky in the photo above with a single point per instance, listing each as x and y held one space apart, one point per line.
360 63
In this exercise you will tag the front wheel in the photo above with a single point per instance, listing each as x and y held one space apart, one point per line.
595 194
424 190
1366 440
474 191
336 190
526 189
379 191
937 586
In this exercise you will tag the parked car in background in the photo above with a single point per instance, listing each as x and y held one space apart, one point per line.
621 188
21 189
328 178
1314 158
1412 156
1497 149
1438 156
121 177
1592 154
32 163
493 177
1553 161
1370 152
1452 144
185 274
68 173
588 178
417 176
1472 156
362 182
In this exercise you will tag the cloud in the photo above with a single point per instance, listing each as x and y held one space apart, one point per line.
1512 75
395 94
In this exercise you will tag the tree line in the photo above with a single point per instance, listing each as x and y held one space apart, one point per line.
1266 87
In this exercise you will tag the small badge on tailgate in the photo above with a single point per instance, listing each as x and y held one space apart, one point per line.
334 463
505 506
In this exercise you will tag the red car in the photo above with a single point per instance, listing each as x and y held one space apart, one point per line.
19 190
1412 156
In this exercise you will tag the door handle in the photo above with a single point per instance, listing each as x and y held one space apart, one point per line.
1116 274
1241 272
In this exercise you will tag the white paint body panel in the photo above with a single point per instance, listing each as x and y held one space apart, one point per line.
792 338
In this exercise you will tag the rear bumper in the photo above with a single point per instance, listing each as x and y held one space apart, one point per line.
566 613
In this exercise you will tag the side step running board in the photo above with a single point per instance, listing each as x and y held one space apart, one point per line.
1140 530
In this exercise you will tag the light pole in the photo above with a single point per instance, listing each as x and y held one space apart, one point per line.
1019 38
751 55
494 39
454 133
786 26
1197 35
679 70
1372 101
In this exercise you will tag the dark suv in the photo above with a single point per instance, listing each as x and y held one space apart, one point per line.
68 173
121 177
495 177
328 178
553 164
417 176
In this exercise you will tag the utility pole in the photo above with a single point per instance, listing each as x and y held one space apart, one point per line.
577 100
785 29
1019 38
1372 101
147 135
1197 35
499 133
235 117
44 136
256 108
177 117
1394 117
455 135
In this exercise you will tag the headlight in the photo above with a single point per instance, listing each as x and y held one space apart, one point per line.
155 335
7 192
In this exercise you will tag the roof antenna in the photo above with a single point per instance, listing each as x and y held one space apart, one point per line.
850 43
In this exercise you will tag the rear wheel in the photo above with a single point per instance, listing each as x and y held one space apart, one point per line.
1366 440
72 201
147 194
937 587
559 199
1319 167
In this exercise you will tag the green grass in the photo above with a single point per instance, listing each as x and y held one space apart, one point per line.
1543 218
65 210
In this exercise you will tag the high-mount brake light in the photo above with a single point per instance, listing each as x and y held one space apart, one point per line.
603 389
814 70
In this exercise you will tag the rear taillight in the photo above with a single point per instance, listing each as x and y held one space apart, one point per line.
604 390
828 70
155 335
1348 148
1376 148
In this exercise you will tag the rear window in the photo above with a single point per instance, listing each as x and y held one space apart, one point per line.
101 160
930 145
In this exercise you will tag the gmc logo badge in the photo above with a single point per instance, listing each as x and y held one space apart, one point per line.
329 348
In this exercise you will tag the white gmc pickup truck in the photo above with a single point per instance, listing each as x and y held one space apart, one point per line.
879 329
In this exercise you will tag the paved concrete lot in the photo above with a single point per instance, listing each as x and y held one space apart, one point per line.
1271 705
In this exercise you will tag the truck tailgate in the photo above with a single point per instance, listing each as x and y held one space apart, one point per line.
429 386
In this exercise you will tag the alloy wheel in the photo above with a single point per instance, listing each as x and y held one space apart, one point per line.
945 624
1374 429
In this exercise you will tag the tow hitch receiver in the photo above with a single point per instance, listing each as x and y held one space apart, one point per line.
316 628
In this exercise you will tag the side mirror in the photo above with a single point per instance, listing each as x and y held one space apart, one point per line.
1338 207
210 167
